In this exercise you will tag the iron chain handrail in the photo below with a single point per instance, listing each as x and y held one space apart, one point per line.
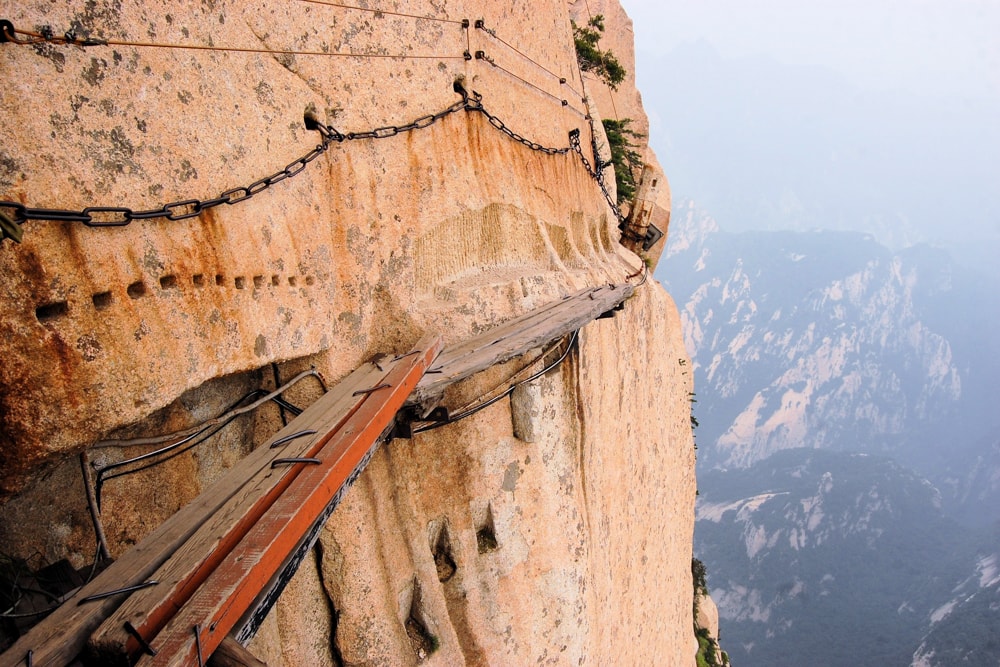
597 174
119 216
14 213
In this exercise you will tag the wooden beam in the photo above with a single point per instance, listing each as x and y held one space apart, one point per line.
514 338
217 606
231 653
60 637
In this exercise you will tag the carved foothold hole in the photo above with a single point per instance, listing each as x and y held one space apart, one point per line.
486 532
421 640
310 280
291 281
198 280
168 282
443 559
51 311
258 282
102 300
136 290
240 282
275 281
220 280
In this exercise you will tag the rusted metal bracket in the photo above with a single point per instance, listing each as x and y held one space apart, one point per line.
408 415
360 392
653 234
294 436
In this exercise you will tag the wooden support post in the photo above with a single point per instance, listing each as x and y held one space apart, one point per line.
231 653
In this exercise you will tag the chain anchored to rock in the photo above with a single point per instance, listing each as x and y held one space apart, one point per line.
13 214
597 174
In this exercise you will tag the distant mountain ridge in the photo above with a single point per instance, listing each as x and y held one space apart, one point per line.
810 339
847 425
829 558
830 340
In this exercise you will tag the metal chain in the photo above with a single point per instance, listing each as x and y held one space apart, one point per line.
13 214
119 216
475 103
596 174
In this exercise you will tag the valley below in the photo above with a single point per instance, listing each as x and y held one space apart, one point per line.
848 452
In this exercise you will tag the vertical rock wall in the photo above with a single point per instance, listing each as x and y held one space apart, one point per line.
566 539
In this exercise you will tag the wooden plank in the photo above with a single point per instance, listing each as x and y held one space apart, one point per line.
554 311
232 654
485 338
60 637
247 627
515 338
218 533
209 615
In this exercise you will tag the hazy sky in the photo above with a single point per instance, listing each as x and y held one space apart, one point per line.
875 115
936 46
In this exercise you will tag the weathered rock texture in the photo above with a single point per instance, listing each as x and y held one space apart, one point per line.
625 103
568 544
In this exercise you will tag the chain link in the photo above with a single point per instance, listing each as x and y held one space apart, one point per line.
596 174
15 213
475 103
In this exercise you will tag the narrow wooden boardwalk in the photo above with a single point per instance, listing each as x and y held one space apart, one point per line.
195 531
515 337
208 576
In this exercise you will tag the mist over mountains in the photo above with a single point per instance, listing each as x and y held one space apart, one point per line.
830 340
830 558
849 449
841 317
765 145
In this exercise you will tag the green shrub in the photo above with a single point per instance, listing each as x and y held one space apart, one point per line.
698 572
623 155
590 56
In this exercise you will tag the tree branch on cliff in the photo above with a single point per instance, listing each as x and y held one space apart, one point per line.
591 58
623 155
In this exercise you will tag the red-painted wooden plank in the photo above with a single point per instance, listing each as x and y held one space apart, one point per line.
220 602
61 636
217 532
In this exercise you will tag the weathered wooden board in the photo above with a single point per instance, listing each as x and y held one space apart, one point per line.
221 601
247 627
231 653
514 338
60 637
219 532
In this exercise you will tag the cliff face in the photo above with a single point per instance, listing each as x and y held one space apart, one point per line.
585 496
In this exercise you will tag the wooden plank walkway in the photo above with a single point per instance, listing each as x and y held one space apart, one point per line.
229 592
221 562
513 338
351 424
61 636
